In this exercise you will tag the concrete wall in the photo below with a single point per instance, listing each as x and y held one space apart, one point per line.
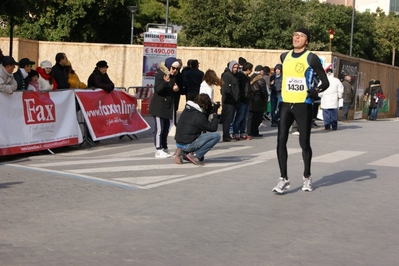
125 61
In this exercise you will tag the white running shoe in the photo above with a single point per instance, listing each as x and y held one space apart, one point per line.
296 133
307 184
161 154
171 153
282 185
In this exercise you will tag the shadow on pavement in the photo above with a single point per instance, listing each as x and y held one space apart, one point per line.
341 177
9 184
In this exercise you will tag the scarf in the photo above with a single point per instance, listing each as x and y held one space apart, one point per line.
46 76
35 84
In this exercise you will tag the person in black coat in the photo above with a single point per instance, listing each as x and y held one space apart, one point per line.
191 141
161 106
21 75
193 80
59 71
257 104
230 98
99 78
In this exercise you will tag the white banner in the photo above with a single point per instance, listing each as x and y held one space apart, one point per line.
33 121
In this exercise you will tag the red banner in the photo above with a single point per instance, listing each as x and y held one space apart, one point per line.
110 114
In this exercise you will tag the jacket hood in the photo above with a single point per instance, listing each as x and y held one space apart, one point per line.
254 78
191 105
231 64
169 61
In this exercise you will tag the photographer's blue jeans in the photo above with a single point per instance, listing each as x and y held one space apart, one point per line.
202 144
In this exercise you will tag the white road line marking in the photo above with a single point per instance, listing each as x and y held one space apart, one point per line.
126 157
336 156
188 177
87 162
77 176
145 167
391 161
146 180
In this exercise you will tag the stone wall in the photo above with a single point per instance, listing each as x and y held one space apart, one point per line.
126 61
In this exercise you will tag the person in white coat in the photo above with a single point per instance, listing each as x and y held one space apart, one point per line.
209 81
330 101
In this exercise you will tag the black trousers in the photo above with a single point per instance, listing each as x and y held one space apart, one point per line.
302 114
254 120
228 111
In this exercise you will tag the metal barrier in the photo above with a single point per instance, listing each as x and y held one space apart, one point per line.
144 95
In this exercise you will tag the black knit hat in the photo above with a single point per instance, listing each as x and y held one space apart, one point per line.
241 61
258 68
304 31
101 64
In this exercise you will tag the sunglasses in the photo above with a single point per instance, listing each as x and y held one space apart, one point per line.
174 68
299 34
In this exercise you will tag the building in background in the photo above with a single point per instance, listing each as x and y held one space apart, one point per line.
368 5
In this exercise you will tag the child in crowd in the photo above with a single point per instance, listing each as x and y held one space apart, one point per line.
33 81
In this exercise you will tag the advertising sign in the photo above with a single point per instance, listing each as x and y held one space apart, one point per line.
157 47
34 121
110 114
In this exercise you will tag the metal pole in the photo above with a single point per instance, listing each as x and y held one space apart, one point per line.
353 22
11 33
132 9
131 32
167 15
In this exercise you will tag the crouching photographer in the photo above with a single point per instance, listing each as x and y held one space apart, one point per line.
192 144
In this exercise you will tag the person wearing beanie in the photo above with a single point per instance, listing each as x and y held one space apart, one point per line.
33 81
330 101
275 95
162 104
259 70
230 98
8 84
99 78
21 75
46 79
241 62
300 71
257 103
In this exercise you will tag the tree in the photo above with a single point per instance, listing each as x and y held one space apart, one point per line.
386 31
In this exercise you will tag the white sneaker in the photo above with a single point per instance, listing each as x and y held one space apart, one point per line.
307 184
282 185
296 133
161 154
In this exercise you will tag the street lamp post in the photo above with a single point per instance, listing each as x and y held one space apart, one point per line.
353 22
167 15
132 9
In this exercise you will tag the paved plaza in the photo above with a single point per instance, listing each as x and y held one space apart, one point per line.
115 204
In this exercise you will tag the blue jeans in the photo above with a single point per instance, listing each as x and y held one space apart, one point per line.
330 118
240 121
345 110
275 112
202 144
374 113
